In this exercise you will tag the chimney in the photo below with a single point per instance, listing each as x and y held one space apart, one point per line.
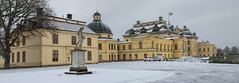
185 26
138 22
160 18
39 11
118 40
69 16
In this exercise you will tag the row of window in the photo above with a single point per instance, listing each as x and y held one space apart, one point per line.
204 49
19 57
130 47
55 55
23 41
140 47
73 40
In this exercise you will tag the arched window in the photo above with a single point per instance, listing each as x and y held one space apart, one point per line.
140 45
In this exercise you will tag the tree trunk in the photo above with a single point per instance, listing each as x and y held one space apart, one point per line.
7 58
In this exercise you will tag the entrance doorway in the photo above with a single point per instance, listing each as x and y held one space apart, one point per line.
124 57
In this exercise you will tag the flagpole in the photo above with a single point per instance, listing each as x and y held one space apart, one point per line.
168 19
169 14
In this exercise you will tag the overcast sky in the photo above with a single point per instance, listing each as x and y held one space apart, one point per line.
213 20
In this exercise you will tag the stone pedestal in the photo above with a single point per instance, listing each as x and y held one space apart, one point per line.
78 63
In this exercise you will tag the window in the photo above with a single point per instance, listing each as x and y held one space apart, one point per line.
73 40
24 56
153 56
23 40
118 47
54 55
171 47
109 46
108 36
140 45
168 47
188 42
100 46
152 44
188 49
109 56
114 57
89 41
112 47
130 57
130 47
118 57
136 57
55 39
199 50
100 57
123 47
18 56
160 47
176 47
203 49
13 57
208 49
164 46
89 56
145 55
18 42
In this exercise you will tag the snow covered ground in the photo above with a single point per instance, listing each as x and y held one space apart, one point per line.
129 72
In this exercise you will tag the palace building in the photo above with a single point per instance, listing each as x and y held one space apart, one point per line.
154 38
147 39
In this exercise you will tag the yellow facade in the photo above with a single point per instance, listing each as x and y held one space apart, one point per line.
206 49
138 48
170 42
1 62
38 50
108 50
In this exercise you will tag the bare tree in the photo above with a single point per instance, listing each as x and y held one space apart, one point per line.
234 50
15 18
227 50
219 52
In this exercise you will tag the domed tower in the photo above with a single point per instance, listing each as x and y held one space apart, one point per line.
99 27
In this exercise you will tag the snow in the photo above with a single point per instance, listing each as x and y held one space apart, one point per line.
124 42
141 36
128 72
172 38
106 39
71 27
188 59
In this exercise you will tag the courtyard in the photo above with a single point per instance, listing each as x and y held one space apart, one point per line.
128 72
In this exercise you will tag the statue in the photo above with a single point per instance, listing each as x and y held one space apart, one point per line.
80 38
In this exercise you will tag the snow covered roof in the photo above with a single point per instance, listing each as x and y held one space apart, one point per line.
141 36
124 42
106 39
172 38
71 27
149 28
